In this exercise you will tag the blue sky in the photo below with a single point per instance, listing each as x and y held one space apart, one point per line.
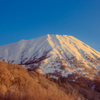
27 19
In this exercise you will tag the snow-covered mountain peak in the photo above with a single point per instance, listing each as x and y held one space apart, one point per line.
56 55
59 44
70 44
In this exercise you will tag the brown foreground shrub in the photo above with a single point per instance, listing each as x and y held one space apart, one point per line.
16 83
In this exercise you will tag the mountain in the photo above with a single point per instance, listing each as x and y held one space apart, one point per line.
55 55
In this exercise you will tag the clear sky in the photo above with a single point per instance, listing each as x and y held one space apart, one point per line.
27 19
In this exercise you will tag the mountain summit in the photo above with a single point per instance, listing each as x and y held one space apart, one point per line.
56 56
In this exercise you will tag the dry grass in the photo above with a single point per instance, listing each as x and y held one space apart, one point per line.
16 83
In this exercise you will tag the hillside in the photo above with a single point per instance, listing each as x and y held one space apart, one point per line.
16 83
56 56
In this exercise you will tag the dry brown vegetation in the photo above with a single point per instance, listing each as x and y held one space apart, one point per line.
16 83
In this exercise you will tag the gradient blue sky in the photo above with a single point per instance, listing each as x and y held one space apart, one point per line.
27 19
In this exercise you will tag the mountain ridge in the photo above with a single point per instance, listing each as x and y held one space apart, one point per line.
54 55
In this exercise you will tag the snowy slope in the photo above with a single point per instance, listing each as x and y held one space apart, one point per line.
55 55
